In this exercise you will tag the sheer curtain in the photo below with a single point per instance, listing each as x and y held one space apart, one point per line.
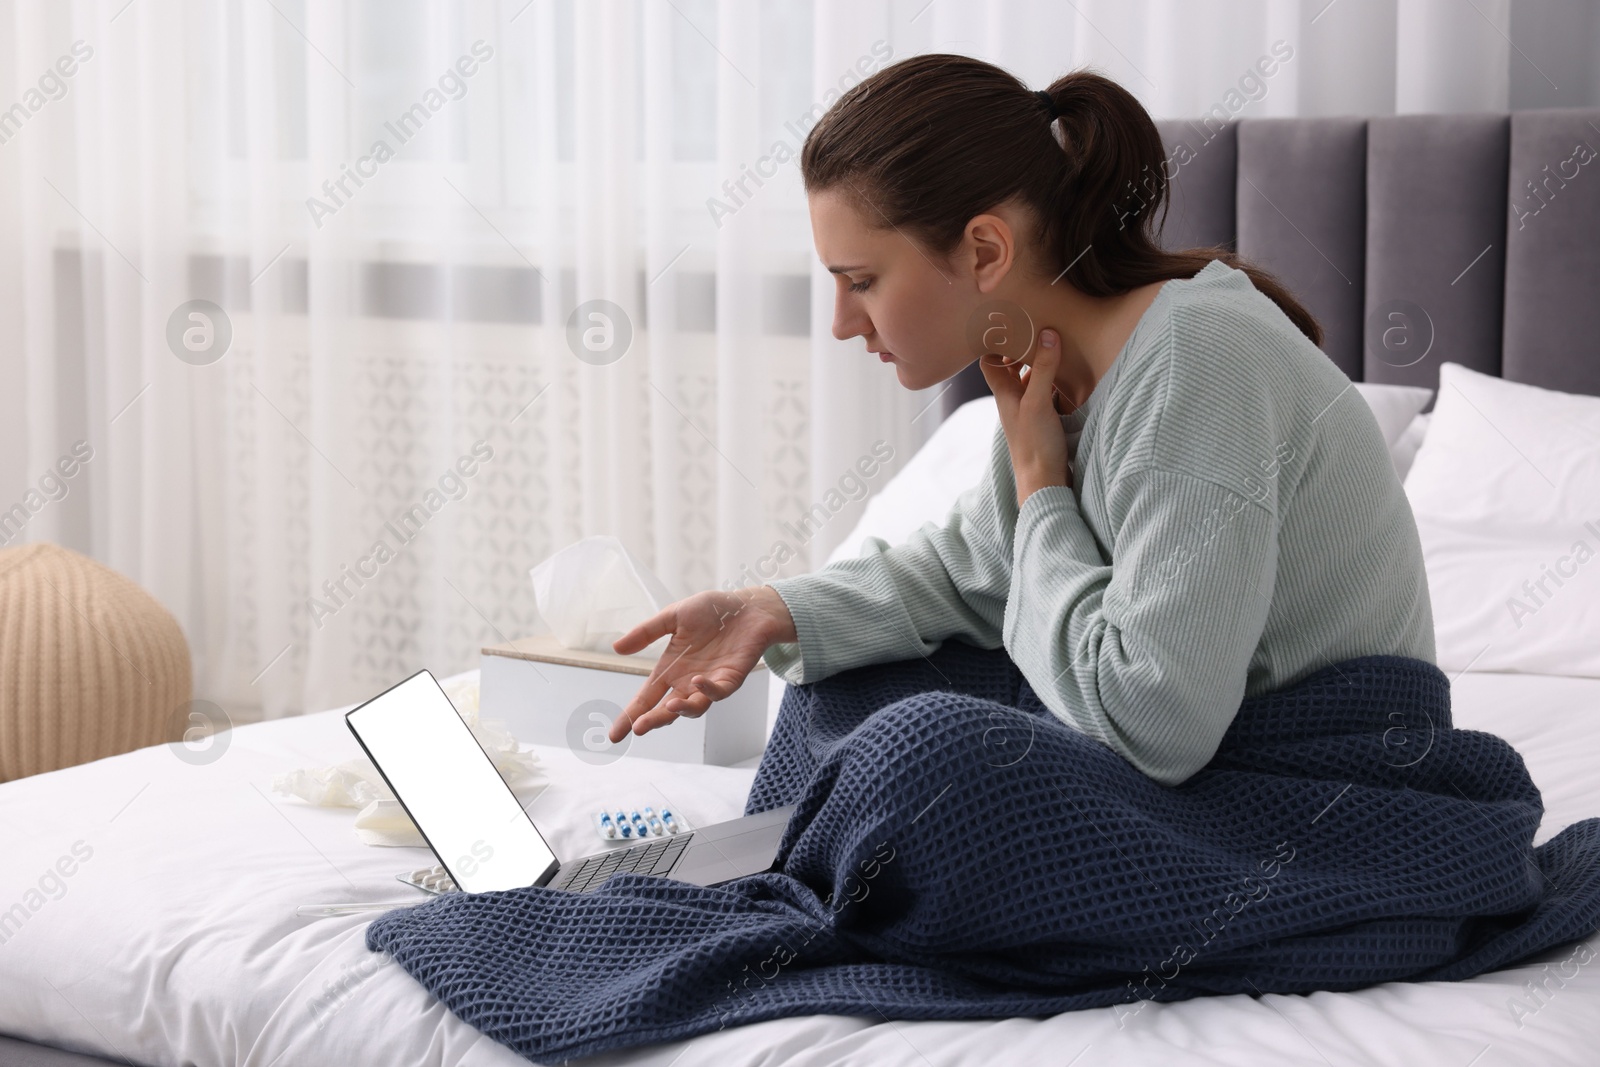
360 308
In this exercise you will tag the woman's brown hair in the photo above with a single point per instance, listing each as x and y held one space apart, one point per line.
933 140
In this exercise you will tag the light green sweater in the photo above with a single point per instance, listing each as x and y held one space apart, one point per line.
1233 524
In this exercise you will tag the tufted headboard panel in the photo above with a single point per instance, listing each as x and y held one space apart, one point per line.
1414 239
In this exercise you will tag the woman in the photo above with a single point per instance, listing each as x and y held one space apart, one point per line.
1215 516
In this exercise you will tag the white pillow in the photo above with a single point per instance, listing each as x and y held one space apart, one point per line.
1404 451
948 464
1394 406
1506 493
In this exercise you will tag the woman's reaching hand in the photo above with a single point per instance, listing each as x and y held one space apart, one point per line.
717 638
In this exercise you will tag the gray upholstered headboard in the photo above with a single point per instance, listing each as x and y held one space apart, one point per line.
1414 239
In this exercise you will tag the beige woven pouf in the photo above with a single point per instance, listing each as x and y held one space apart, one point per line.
90 664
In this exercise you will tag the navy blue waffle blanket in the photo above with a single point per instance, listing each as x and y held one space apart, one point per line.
958 852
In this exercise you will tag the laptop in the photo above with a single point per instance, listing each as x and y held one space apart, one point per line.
481 835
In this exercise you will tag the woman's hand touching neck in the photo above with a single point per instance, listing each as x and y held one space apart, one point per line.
1093 331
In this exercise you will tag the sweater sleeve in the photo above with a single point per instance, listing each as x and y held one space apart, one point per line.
1150 653
900 602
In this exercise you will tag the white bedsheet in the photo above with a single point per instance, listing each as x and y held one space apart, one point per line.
176 941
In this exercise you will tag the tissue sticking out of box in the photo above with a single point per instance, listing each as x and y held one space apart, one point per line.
594 591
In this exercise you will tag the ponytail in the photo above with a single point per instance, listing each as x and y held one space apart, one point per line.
934 140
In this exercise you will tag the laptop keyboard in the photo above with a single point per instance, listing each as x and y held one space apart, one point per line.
655 857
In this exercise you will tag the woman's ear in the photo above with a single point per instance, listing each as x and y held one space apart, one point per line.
993 246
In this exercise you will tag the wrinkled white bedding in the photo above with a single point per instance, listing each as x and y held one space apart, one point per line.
175 941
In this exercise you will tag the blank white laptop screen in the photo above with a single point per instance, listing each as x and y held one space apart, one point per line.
450 788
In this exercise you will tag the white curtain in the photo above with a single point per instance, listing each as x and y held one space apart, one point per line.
498 274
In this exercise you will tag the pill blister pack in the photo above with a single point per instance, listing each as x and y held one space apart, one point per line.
621 824
433 879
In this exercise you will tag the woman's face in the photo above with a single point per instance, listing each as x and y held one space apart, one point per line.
889 292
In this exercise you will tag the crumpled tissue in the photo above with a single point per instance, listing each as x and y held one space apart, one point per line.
593 591
382 820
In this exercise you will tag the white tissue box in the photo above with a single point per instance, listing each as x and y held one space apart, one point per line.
549 694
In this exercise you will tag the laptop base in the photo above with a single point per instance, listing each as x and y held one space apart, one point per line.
707 856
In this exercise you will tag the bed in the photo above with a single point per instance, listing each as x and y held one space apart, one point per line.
174 939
